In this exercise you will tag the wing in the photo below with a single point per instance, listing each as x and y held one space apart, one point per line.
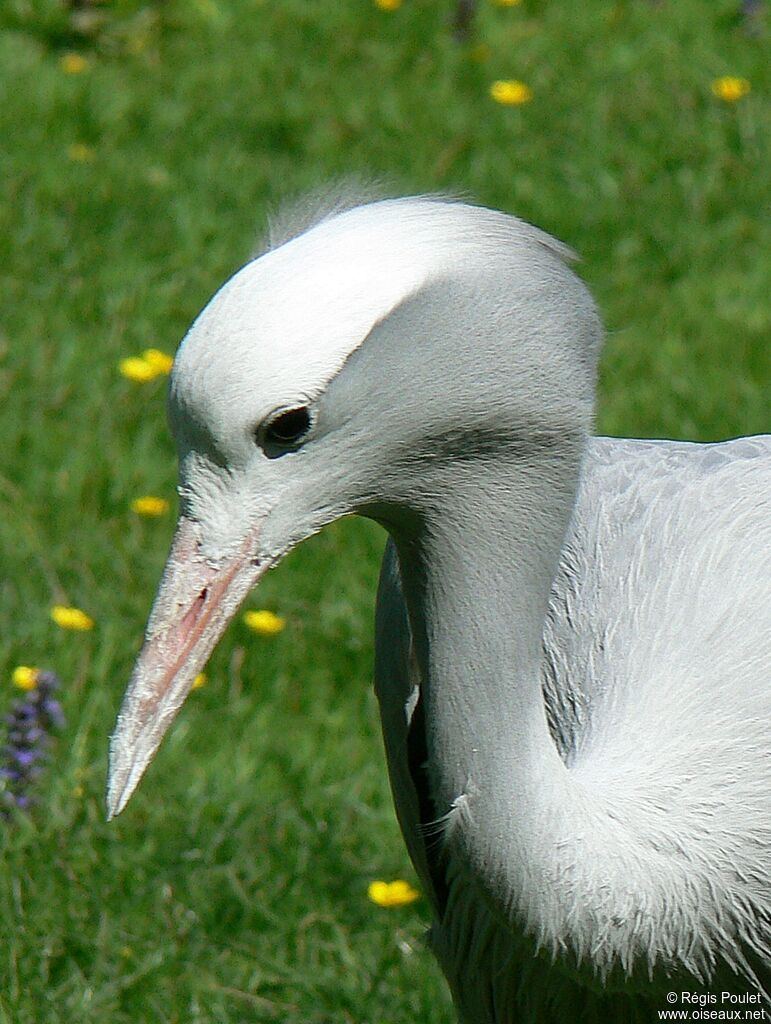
664 585
657 654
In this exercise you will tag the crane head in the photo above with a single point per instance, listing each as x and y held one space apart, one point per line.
324 379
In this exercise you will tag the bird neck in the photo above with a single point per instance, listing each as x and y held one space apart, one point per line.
476 575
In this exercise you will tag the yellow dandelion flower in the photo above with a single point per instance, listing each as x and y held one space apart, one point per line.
81 153
388 5
25 677
508 3
150 506
730 89
71 618
137 369
199 681
161 362
73 63
392 894
264 622
151 364
510 92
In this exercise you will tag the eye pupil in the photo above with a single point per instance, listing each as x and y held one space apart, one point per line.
287 428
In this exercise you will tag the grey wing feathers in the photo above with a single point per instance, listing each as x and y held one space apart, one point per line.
665 579
658 648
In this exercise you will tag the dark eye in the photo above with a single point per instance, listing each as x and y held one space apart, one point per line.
284 432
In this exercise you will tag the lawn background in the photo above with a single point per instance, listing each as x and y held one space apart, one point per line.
234 886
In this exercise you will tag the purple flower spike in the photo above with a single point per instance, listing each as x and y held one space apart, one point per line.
29 725
25 737
51 709
26 757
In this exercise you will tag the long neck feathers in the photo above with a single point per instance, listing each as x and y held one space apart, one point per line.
551 854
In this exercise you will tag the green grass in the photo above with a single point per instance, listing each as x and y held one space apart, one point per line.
233 888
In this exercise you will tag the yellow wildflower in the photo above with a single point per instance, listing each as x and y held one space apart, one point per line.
25 677
730 89
392 894
161 362
81 153
388 5
150 506
151 364
73 64
71 618
137 369
508 3
264 622
199 681
510 92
